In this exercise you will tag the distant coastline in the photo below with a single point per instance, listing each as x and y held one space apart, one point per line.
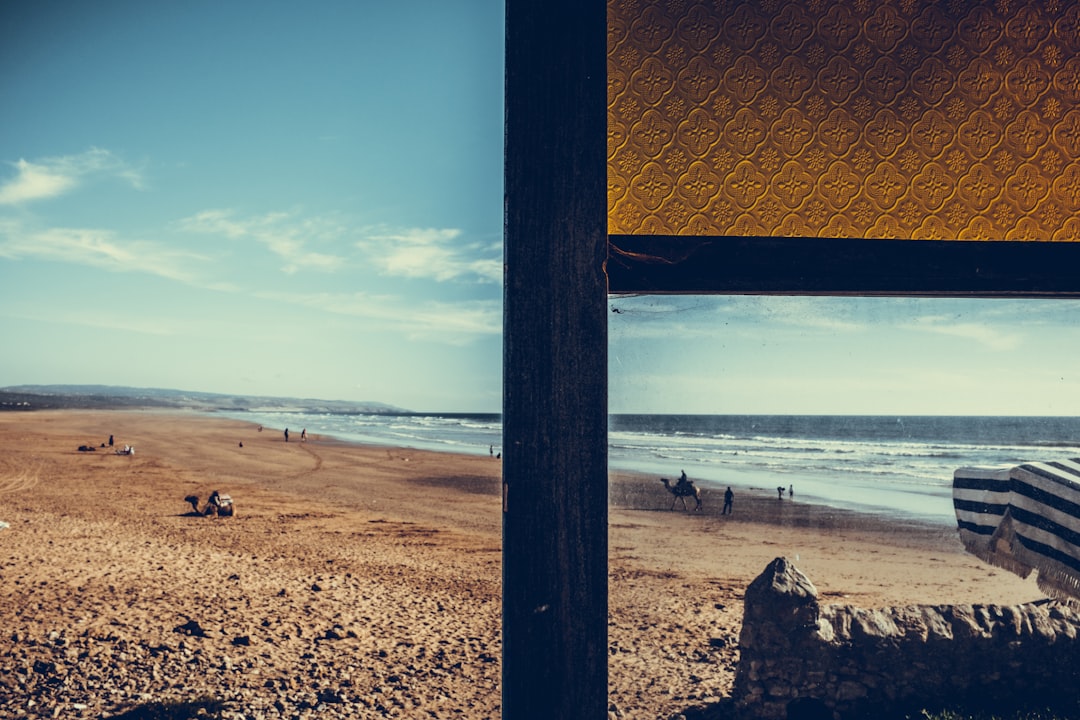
113 397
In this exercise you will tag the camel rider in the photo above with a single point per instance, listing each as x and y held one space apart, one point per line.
683 482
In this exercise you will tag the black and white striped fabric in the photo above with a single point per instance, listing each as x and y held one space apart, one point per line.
1024 518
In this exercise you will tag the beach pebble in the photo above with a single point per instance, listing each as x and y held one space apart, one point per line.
192 628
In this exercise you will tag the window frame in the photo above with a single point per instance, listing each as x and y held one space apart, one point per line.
560 267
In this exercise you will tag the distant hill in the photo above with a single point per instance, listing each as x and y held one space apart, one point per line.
43 397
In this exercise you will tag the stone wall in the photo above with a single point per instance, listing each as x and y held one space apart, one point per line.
801 659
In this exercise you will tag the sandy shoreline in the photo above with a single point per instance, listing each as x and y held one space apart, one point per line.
365 580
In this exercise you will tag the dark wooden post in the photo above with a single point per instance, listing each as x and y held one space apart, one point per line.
555 363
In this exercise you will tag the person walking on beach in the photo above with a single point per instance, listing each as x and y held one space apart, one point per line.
791 492
303 435
286 434
728 498
110 441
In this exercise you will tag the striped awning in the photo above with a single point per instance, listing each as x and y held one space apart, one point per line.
1024 518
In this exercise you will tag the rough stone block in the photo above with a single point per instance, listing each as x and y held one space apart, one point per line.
857 662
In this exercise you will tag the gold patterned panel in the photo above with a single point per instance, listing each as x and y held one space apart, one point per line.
928 119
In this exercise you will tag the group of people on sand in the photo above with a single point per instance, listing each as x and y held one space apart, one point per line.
128 449
729 496
303 434
685 483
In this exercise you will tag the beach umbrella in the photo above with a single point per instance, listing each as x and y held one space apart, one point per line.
1024 518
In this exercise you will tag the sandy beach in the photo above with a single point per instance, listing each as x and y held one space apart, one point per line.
363 581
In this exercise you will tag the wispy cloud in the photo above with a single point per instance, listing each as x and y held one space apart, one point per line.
284 234
457 323
97 321
96 248
692 316
434 253
995 338
53 176
809 313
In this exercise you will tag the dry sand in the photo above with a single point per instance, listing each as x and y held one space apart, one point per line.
360 581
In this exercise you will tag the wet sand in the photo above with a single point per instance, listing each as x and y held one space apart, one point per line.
363 581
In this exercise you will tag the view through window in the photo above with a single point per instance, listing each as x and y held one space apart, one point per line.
837 424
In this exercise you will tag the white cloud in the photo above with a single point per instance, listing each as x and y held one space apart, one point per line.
995 338
282 233
424 253
454 323
54 176
33 182
96 248
435 253
480 317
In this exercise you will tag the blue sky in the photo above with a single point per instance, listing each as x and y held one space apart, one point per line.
254 197
305 199
809 355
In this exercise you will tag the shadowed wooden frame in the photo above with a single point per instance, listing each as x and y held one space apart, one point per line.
555 363
555 338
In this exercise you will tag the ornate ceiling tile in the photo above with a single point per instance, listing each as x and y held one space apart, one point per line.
845 118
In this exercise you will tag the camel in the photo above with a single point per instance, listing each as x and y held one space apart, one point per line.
682 490
217 504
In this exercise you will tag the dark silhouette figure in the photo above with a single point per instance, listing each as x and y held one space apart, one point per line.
729 497
780 493
110 441
791 491
303 435
682 490
286 434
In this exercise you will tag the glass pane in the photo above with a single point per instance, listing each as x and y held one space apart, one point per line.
837 424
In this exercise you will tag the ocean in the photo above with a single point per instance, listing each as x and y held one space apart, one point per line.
887 465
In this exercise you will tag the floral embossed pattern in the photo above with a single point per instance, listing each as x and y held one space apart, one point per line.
925 119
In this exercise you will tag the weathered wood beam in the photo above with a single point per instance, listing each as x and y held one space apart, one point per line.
555 363
836 266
